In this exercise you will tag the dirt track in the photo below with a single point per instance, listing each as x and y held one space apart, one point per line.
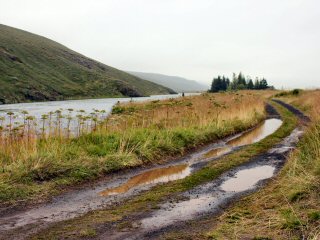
209 198
212 198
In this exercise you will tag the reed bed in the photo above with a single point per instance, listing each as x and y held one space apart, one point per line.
134 134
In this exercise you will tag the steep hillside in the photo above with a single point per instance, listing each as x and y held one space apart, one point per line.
34 68
178 84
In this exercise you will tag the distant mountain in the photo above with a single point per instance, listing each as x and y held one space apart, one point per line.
177 84
34 68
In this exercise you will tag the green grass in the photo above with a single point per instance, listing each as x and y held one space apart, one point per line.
150 200
34 68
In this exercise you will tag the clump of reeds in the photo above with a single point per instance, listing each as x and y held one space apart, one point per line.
17 136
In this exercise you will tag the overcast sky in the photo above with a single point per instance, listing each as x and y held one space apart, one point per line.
196 39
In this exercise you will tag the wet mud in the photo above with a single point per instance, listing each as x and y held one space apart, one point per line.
247 178
158 175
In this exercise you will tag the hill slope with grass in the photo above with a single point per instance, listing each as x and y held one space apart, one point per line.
34 68
178 84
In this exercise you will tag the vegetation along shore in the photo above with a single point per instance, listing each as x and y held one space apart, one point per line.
135 134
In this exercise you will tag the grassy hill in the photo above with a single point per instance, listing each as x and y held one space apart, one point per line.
178 84
34 68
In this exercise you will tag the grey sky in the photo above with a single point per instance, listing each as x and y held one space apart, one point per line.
196 39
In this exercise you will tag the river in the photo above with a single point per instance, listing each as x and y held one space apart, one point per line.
37 109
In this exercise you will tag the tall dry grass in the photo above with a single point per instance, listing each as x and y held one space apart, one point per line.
309 101
185 112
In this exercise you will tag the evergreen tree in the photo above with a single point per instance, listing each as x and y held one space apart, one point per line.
228 82
219 83
263 84
234 77
234 84
239 82
250 84
225 83
216 84
257 84
241 79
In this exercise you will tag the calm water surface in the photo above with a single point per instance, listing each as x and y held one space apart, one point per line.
37 109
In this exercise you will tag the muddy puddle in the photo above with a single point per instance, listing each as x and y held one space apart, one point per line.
268 127
247 178
154 176
175 172
177 212
213 196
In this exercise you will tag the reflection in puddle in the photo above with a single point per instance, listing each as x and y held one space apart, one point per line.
150 177
257 134
265 129
176 172
247 178
180 211
218 152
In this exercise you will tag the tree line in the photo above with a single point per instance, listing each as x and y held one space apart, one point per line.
239 82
